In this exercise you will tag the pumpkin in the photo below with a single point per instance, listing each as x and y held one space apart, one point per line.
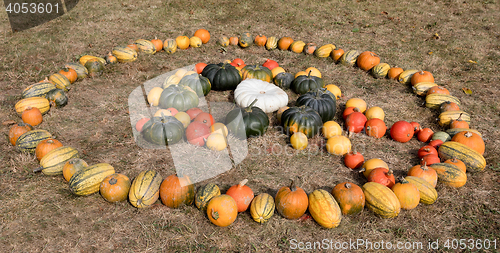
195 42
145 189
170 46
405 76
324 209
402 131
69 73
434 101
115 188
242 194
440 135
297 46
45 146
301 119
284 43
381 200
260 40
283 80
422 88
305 83
355 122
310 47
421 76
330 129
182 42
193 112
32 116
349 58
321 101
445 118
238 63
88 180
57 98
367 60
335 90
452 131
338 145
145 46
72 166
426 173
324 51
133 47
382 176
277 70
124 54
270 64
262 208
375 128
245 40
291 202
86 58
407 194
41 103
271 43
449 106
436 143
223 41
205 118
354 160
28 141
179 97
203 34
95 68
371 164
350 198
256 72
222 210
53 162
428 195
459 123
222 76
158 44
313 71
436 90
394 72
219 128
197 133
457 163
165 130
81 71
176 191
204 194
471 140
450 174
233 41
216 142
380 70
425 150
356 102
38 89
199 67
425 134
348 111
111 59
337 54
17 130
198 83
298 141
247 122
429 159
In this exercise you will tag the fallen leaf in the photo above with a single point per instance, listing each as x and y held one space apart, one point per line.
467 91
385 12
429 53
355 30
8 122
471 61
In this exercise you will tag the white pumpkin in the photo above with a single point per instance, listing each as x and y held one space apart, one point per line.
269 97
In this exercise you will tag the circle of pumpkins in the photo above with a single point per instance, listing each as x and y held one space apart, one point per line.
460 147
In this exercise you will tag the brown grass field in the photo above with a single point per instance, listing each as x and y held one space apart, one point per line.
458 41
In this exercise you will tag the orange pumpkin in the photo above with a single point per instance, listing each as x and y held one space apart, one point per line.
425 134
133 47
199 67
449 106
203 34
115 188
367 60
72 166
17 130
43 147
69 73
350 197
175 191
407 194
375 128
470 139
426 173
337 53
310 47
222 210
233 41
438 90
158 44
459 123
260 40
457 163
183 42
32 116
284 43
291 202
242 194
421 76
394 72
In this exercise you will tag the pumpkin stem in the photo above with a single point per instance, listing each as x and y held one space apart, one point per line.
215 214
468 134
403 180
292 186
249 108
347 185
243 182
425 166
38 169
309 74
460 117
113 181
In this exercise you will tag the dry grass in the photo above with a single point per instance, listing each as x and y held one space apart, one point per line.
38 213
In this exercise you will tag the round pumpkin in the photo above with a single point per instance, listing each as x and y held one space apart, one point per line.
57 98
222 210
197 133
407 194
242 194
402 131
32 116
182 42
338 145
425 172
284 43
335 90
260 40
355 122
367 60
203 34
375 128
321 101
298 141
95 67
301 119
222 76
371 164
17 130
470 139
69 73
382 176
305 83
245 40
72 166
353 160
216 142
337 54
45 146
330 129
165 130
350 197
394 72
357 103
247 122
291 202
375 112
115 188
421 76
283 80
179 97
176 191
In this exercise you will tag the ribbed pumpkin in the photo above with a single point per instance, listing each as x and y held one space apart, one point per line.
53 162
394 73
222 76
247 122
41 103
166 130
367 60
428 195
445 118
124 54
405 76
28 141
452 131
434 101
297 46
95 68
381 200
436 89
256 72
72 166
284 43
177 191
349 58
170 46
421 76
324 51
245 40
324 209
426 173
380 70
449 106
200 84
88 180
272 43
38 89
470 139
321 101
145 46
291 202
57 98
222 210
306 83
61 81
283 80
45 147
242 194
204 194
81 71
301 119
350 197
145 189
407 194
17 130
262 208
421 89
179 97
459 123
450 174
115 187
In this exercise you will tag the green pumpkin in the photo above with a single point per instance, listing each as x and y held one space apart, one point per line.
283 80
301 119
303 84
179 97
245 40
321 101
222 76
444 136
165 130
247 122
200 84
57 97
95 67
257 72
204 194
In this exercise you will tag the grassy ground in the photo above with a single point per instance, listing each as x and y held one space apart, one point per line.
456 40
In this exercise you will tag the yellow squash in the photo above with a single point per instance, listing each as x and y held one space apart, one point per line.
381 200
324 209
145 189
88 180
53 162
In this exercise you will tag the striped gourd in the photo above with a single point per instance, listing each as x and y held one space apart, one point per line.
297 46
145 189
27 142
223 41
381 200
145 46
434 101
262 208
53 162
474 161
88 180
60 81
453 131
428 194
349 58
85 58
81 71
271 43
124 54
405 76
205 194
324 209
41 103
324 51
170 46
446 117
421 88
450 174
38 89
380 70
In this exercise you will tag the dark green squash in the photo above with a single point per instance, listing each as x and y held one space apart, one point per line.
301 119
200 84
38 89
166 130
179 97
257 72
303 84
222 76
57 97
95 67
247 122
284 80
204 194
321 101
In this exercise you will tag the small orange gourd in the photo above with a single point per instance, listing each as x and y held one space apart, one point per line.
32 116
115 187
242 194
291 202
45 146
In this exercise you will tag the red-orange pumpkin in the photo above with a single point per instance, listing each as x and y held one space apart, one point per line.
425 150
402 131
205 118
242 194
355 122
353 160
17 130
425 134
350 197
197 133
430 159
382 176
291 202
176 191
45 146
375 128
